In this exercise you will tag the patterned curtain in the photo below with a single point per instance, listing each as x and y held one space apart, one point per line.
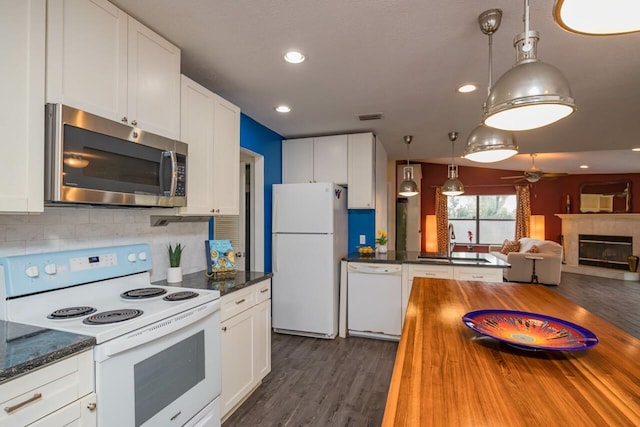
523 211
442 220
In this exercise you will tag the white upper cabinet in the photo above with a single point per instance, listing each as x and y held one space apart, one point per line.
226 158
320 159
330 159
107 63
22 42
210 125
297 160
361 171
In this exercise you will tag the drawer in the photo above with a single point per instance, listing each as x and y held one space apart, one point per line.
482 274
263 290
237 302
432 271
44 391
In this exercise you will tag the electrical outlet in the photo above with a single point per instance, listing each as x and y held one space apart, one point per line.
363 239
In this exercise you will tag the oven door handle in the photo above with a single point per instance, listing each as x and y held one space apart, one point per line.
154 331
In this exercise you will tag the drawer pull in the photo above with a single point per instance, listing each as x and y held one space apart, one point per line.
10 409
240 301
477 277
262 291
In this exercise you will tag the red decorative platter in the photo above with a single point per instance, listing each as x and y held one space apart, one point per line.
530 330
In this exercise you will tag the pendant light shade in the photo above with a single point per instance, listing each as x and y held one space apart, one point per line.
530 95
597 17
452 186
485 144
408 187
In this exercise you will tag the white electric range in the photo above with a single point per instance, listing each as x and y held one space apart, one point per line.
157 358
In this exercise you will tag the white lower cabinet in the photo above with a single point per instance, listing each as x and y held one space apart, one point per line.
246 343
59 394
474 273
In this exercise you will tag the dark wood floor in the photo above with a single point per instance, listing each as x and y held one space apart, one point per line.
344 382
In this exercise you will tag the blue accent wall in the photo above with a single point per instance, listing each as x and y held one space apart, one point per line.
361 221
262 140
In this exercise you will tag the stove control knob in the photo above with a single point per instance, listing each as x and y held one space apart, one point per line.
50 269
131 258
142 256
32 271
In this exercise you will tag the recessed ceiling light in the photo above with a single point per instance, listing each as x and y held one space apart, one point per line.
294 57
584 166
635 149
282 109
468 87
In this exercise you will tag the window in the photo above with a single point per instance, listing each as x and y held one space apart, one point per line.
491 219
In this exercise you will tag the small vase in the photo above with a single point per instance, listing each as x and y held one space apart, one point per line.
633 263
174 274
382 249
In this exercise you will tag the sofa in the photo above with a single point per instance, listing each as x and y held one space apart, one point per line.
548 269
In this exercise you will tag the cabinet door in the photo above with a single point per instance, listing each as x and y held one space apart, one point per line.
238 354
87 56
297 160
330 159
262 339
78 413
153 100
196 129
226 158
22 42
475 273
361 170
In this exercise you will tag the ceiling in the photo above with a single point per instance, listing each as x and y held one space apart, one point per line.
404 59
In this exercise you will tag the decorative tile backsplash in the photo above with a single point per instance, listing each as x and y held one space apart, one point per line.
63 228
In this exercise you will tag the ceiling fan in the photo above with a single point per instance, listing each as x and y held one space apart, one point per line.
533 174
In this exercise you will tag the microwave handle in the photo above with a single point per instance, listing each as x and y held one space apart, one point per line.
174 169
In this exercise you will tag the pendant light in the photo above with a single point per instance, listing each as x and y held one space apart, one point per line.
408 187
530 95
597 17
485 144
453 186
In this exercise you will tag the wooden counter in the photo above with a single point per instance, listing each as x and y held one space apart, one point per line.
445 374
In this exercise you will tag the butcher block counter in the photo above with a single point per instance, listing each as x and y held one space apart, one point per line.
446 374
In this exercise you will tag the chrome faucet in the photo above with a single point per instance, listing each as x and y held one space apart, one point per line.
451 243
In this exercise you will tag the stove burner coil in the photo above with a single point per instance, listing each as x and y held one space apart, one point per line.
180 296
71 312
113 316
143 293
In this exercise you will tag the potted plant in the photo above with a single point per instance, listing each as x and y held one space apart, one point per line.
174 273
381 240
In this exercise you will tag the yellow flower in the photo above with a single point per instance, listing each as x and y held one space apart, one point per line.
382 237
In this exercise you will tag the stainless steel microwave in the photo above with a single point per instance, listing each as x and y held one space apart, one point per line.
93 160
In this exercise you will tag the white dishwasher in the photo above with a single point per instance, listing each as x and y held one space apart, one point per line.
374 293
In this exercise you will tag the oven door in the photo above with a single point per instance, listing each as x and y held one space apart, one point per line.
163 374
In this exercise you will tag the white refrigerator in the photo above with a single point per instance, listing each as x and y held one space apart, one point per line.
309 240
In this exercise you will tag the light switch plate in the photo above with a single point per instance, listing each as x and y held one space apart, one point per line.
363 239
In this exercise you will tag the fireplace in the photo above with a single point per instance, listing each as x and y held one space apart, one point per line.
605 251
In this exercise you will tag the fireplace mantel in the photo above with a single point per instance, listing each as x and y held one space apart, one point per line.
629 216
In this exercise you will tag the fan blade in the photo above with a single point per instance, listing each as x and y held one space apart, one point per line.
553 175
512 177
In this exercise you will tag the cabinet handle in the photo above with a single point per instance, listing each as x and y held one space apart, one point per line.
240 301
124 119
224 329
262 291
215 210
91 406
134 123
10 409
477 277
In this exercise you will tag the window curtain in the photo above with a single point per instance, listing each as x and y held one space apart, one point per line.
523 211
442 220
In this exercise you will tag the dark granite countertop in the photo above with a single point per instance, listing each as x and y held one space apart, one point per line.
198 280
460 259
24 348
